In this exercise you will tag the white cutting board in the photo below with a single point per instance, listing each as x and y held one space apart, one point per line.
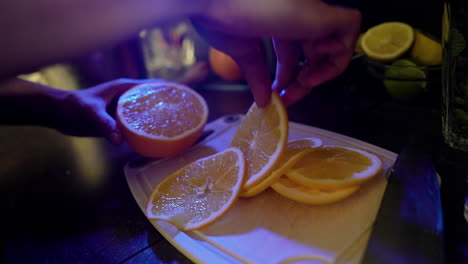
269 228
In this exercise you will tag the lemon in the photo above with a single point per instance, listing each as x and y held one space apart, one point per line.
426 50
404 80
387 41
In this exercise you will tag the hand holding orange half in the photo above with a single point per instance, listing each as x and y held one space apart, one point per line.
161 119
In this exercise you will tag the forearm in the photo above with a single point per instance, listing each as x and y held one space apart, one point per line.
28 103
40 32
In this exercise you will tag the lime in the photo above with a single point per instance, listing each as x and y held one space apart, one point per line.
461 114
404 80
459 100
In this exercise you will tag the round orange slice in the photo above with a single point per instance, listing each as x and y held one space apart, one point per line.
262 137
307 195
335 167
161 119
293 152
199 193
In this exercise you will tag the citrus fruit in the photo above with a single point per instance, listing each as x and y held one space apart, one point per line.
199 193
224 66
291 190
262 136
161 119
461 114
405 80
293 152
387 41
335 167
426 50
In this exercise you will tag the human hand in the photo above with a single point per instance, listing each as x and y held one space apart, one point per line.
90 112
323 34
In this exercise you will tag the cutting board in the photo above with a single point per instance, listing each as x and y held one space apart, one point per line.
268 228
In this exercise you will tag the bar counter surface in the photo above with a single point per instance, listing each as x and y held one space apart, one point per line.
66 200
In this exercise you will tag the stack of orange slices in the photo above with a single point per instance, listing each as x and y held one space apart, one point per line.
260 156
327 174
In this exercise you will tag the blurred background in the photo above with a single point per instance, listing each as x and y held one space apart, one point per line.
176 52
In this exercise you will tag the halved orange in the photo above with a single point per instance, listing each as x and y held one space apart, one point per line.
303 194
161 119
335 167
199 193
293 152
262 137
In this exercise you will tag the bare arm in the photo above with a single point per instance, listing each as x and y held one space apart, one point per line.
39 32
87 112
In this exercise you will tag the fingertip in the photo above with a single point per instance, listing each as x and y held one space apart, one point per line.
275 86
294 93
286 98
110 129
262 100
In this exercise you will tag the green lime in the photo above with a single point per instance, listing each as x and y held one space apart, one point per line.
461 114
404 80
404 62
459 100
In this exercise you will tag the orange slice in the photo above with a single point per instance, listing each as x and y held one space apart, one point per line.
293 152
262 137
161 119
199 193
335 167
307 195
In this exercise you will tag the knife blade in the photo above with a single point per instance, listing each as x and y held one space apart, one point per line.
409 224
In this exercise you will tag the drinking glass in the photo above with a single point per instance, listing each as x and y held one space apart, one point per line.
455 74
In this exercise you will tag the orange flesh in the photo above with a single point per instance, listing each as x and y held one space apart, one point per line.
165 106
199 189
332 163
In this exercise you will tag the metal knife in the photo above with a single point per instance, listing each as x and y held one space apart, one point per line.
409 224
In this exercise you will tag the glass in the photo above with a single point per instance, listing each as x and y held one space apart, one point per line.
168 51
455 74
